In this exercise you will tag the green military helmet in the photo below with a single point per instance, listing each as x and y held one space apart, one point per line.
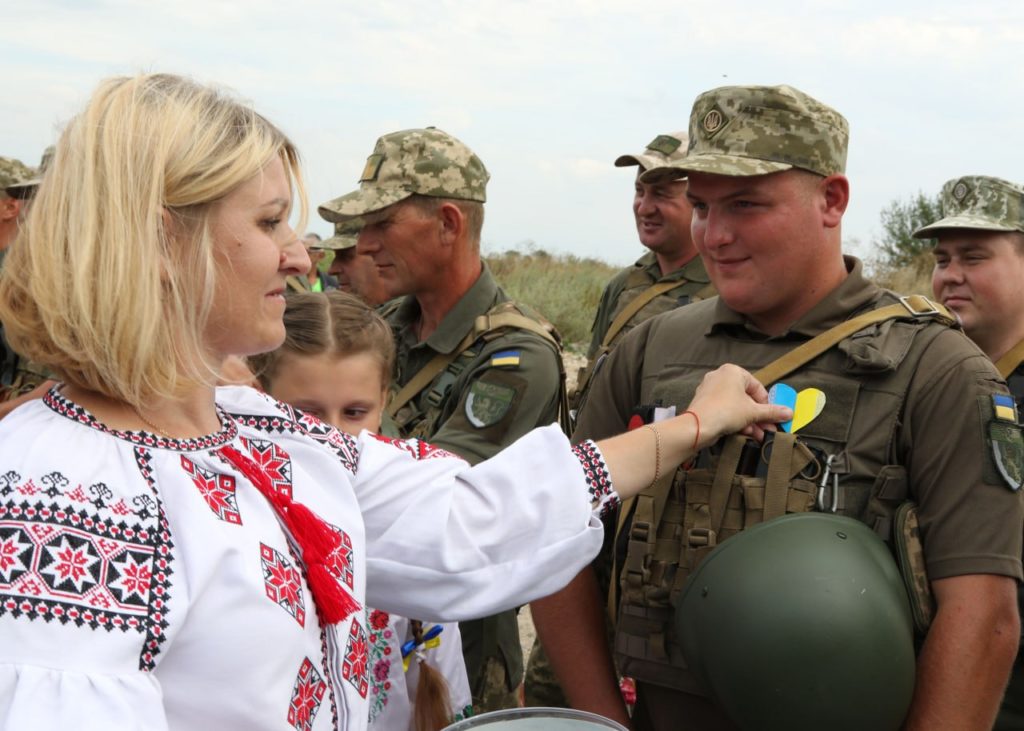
801 622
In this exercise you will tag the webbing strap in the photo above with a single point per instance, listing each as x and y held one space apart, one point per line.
635 306
426 375
484 324
721 488
1009 362
913 305
779 472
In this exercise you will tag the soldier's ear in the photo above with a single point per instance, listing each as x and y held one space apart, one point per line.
835 190
451 221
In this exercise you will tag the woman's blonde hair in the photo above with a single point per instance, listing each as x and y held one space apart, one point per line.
111 280
334 322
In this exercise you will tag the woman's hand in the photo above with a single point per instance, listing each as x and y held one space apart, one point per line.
730 400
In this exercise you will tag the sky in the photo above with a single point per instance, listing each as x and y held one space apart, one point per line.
549 94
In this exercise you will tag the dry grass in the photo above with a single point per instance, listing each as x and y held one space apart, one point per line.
565 289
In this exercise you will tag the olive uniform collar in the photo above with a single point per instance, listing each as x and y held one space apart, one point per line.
691 271
477 300
853 294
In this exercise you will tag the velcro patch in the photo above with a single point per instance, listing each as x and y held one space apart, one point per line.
505 358
372 168
1008 451
487 403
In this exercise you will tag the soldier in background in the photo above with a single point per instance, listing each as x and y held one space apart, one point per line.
314 280
13 173
908 414
670 274
978 275
356 273
474 370
20 380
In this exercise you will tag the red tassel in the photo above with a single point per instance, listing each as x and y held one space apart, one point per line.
315 538
334 603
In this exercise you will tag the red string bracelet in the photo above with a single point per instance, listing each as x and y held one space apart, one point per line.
696 438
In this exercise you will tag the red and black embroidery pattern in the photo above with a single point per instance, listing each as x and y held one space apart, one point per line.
217 490
599 483
356 661
86 567
274 462
416 447
341 559
73 411
283 583
341 445
307 695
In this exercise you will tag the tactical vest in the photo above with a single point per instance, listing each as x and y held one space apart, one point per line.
441 373
738 483
652 302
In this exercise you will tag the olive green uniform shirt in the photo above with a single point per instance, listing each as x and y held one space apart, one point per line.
632 281
970 520
476 412
937 438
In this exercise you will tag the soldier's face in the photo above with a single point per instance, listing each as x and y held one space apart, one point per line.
979 275
357 274
403 242
762 243
663 215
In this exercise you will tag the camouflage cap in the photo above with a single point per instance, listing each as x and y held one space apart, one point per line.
662 150
756 130
978 202
413 161
345 235
25 188
13 172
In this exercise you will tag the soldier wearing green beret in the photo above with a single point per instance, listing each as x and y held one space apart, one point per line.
474 370
979 270
901 423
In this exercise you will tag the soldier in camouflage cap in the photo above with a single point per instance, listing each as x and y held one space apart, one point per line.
356 273
979 203
12 174
756 130
412 162
27 187
766 182
471 388
978 274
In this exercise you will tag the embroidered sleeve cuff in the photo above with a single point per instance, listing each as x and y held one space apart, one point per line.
599 482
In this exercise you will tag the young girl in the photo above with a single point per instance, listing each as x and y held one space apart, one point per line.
336 363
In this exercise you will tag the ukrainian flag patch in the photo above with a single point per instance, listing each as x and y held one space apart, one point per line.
505 358
1004 407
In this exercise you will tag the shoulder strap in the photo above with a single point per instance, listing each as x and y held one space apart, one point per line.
914 305
635 306
708 290
1009 362
484 324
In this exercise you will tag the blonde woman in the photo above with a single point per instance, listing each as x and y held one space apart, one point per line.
178 556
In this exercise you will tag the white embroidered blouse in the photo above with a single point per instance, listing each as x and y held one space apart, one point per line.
146 584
